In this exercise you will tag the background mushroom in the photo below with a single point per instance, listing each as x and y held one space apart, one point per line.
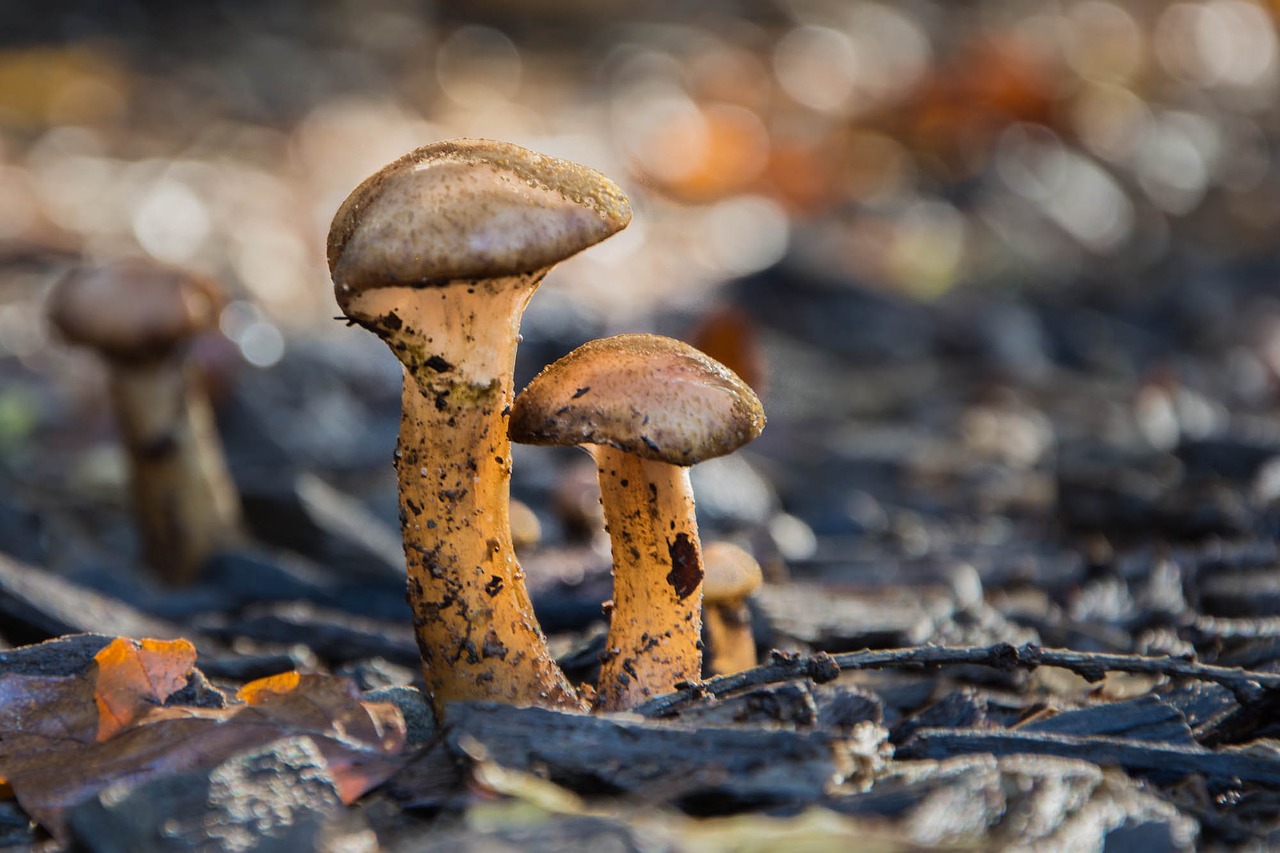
139 316
438 254
647 407
732 575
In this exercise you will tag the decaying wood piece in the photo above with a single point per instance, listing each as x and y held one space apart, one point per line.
1105 751
832 708
1242 723
791 704
1146 718
334 635
36 604
720 769
63 656
1020 802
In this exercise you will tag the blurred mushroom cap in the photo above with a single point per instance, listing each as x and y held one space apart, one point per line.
133 310
655 397
526 529
469 208
730 573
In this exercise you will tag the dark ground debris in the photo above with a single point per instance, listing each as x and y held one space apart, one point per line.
1009 297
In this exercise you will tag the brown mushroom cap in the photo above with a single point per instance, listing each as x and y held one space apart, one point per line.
132 310
655 397
730 573
469 208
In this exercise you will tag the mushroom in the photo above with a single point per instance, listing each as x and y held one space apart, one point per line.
732 575
438 254
139 316
647 407
526 529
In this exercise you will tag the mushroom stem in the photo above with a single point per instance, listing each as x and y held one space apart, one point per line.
183 495
732 575
732 647
656 621
472 614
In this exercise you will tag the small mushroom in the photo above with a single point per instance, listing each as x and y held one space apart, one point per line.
526 529
140 316
732 575
647 407
575 499
438 254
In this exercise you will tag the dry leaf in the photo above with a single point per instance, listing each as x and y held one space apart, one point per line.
67 734
257 692
728 335
134 677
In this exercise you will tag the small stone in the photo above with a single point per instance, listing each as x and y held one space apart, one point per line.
276 799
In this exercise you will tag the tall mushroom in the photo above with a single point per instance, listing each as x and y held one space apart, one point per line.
647 407
139 316
438 254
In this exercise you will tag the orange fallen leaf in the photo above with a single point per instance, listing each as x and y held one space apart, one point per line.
136 676
261 690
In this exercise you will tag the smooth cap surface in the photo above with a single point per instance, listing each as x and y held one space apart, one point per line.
652 396
469 208
132 310
729 573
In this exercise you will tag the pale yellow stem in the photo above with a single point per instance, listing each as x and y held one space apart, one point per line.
731 646
656 621
186 504
472 614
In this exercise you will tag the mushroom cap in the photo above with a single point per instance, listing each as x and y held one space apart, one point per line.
658 398
730 573
469 208
132 310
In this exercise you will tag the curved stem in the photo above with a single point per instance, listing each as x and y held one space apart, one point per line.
185 501
472 614
656 623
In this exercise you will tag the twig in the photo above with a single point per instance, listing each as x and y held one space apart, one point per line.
1247 687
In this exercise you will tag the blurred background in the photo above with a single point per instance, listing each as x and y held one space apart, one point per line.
979 258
